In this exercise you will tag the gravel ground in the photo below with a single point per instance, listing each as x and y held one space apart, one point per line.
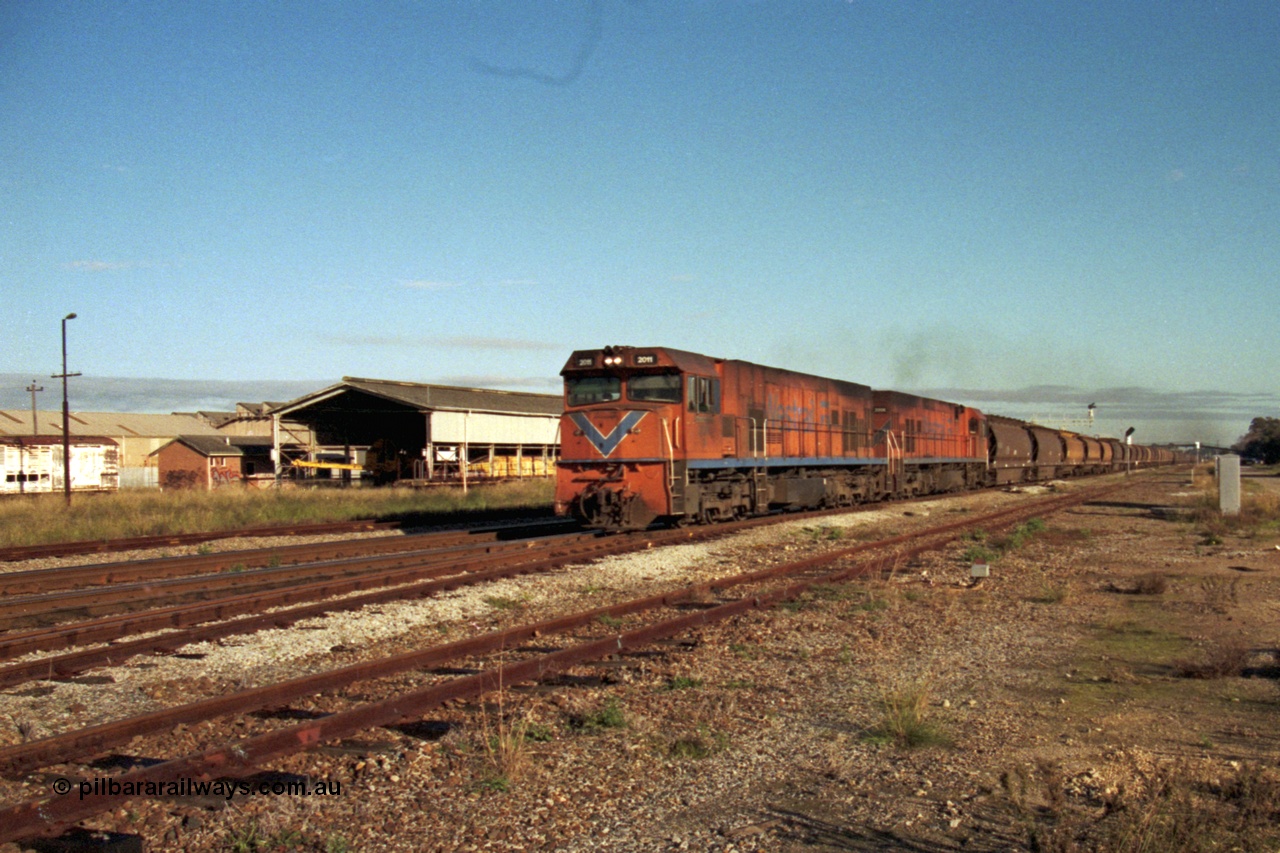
763 733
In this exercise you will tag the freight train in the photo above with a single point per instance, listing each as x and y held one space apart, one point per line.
652 434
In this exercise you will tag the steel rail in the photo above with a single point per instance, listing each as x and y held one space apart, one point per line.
46 816
160 568
392 584
115 598
60 748
116 627
103 546
64 666
19 757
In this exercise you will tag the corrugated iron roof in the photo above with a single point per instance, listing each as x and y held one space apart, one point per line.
425 397
224 445
54 440
18 422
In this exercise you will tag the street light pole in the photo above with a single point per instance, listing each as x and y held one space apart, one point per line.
66 414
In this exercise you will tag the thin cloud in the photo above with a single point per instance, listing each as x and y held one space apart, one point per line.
154 395
455 342
532 383
94 266
99 266
1216 417
1148 402
434 284
428 284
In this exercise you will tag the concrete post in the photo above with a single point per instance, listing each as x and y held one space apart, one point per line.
1228 469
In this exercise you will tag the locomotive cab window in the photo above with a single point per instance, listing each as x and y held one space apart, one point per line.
586 390
704 395
654 388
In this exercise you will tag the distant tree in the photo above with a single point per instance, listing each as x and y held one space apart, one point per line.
1262 441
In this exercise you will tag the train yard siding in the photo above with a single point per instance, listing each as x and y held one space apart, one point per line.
753 736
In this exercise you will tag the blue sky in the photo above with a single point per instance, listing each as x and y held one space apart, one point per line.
1033 205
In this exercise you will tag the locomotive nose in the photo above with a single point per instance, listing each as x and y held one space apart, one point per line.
606 430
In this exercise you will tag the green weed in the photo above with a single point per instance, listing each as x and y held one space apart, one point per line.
825 533
608 717
504 602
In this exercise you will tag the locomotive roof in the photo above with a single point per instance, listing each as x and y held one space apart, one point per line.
687 362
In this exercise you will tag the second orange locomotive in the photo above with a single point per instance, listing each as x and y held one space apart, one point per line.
651 433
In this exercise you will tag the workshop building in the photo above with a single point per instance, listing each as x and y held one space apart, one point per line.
390 431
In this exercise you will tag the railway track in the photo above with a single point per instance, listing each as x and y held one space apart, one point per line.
238 601
584 636
135 543
324 578
160 568
172 540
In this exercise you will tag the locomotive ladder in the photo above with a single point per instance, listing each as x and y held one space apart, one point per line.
760 487
679 479
897 464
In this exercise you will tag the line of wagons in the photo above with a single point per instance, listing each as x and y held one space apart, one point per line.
1020 452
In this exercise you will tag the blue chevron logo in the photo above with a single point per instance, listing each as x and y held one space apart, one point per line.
606 444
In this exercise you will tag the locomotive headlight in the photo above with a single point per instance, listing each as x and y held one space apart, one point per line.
612 360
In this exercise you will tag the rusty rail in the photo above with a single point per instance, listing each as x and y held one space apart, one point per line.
104 546
161 568
115 598
49 815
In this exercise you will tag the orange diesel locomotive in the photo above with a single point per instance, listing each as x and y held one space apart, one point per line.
651 433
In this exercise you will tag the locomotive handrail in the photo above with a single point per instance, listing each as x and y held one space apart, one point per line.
671 460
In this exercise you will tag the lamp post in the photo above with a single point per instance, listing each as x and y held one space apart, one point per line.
66 414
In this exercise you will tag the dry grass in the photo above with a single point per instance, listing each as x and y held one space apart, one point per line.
1173 809
505 745
1151 583
1220 594
42 519
1224 659
903 715
1259 516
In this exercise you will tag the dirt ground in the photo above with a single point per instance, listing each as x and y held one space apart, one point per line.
1111 686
